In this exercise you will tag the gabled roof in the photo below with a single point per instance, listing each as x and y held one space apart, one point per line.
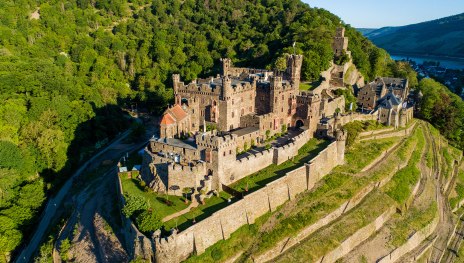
173 115
177 112
389 101
167 119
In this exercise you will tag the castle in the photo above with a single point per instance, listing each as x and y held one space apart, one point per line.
206 138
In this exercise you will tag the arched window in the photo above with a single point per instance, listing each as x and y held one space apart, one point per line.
243 112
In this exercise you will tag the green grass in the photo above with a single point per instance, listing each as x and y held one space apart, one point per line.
458 189
306 87
362 154
414 220
132 186
327 239
273 171
201 212
400 185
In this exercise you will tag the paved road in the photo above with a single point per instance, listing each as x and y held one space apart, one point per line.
55 202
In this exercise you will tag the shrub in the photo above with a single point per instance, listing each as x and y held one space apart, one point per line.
216 254
134 204
148 221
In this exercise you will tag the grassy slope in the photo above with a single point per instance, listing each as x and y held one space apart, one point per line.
336 188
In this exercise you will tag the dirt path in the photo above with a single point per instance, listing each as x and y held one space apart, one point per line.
95 230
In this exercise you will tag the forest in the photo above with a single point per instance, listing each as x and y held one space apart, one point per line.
68 68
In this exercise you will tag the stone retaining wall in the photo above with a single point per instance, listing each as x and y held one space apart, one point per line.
390 135
289 242
357 238
413 242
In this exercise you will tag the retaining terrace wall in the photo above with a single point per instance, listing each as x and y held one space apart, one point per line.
391 134
358 237
219 226
413 242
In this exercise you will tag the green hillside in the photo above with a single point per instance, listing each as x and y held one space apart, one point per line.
68 67
441 37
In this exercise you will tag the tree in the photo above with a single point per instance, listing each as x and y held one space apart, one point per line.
148 221
134 205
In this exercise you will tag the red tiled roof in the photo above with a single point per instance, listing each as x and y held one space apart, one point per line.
167 119
177 112
173 115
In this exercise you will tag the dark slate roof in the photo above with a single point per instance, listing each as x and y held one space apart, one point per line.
389 101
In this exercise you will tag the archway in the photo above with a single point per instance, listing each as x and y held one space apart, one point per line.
299 124
184 101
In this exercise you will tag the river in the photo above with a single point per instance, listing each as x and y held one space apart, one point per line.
451 63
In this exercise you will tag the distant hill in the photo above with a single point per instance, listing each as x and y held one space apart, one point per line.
441 37
366 31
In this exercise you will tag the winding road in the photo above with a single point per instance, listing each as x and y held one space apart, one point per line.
55 202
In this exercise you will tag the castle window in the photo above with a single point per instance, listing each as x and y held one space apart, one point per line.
275 100
251 96
282 110
233 114
243 112
230 151
224 154
283 97
232 101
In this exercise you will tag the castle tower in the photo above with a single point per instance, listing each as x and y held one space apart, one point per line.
276 89
175 83
226 65
293 72
313 113
340 44
226 87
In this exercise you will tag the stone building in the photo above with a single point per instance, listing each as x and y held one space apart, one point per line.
175 122
244 107
369 95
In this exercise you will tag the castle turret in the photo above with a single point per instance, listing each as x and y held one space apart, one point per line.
175 83
293 72
340 44
226 65
226 87
276 90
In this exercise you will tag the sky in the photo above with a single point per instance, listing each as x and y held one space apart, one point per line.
381 13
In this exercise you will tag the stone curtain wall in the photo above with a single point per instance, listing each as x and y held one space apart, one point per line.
224 222
256 162
413 242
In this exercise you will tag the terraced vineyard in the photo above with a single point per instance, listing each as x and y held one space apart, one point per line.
387 203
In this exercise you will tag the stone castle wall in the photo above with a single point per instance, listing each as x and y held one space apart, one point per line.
329 107
256 162
219 226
